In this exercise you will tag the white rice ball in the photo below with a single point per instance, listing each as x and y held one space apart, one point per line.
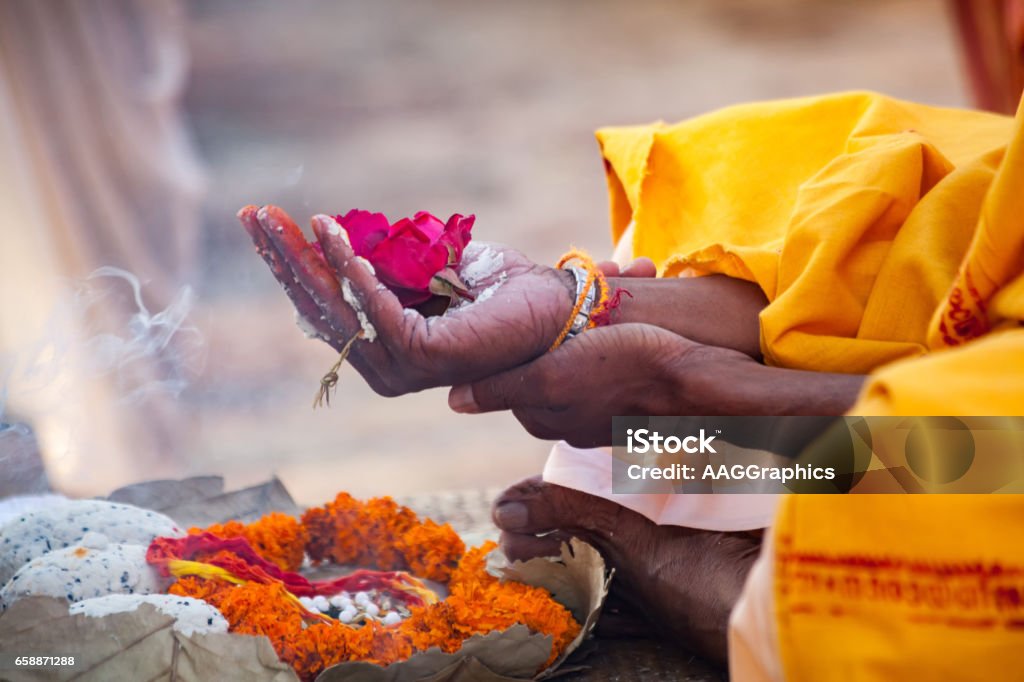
77 573
65 524
190 615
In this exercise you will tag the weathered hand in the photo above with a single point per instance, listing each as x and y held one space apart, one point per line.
639 369
573 393
338 294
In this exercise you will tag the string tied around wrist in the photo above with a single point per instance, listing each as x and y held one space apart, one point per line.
594 303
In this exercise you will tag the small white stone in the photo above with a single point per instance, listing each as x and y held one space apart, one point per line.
391 618
307 603
321 603
339 602
347 615
372 610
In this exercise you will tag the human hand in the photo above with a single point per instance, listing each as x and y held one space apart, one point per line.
637 268
520 308
572 393
639 369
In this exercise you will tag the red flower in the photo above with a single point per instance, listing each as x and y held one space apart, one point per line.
412 257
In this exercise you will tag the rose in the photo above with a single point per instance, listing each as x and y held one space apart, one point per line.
416 257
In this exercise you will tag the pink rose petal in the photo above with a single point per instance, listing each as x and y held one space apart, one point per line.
407 254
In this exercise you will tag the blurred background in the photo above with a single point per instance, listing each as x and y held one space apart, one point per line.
133 131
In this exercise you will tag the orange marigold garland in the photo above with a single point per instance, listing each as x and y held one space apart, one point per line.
276 537
381 533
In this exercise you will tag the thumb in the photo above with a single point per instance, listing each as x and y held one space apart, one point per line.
506 391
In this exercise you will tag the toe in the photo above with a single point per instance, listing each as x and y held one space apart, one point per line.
523 546
533 506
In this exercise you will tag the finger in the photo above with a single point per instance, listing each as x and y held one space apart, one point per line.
641 267
504 391
524 546
544 383
303 302
608 268
382 314
315 279
534 506
546 423
310 270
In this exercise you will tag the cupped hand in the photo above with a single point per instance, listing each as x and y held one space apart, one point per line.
520 309
572 393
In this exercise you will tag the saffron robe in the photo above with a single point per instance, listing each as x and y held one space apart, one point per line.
889 240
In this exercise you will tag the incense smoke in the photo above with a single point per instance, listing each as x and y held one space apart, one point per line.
101 342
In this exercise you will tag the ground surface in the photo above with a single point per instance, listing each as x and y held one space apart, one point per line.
456 105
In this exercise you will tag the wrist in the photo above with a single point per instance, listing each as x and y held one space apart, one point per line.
566 281
717 381
714 309
709 380
552 323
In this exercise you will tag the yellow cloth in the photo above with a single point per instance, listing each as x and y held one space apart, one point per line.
879 231
923 587
890 587
871 199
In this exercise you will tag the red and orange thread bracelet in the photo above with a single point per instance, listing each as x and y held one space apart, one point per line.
600 313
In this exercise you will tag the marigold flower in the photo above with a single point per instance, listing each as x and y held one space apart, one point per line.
276 537
381 534
389 536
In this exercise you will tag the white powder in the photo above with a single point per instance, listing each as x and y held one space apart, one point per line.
307 327
463 304
334 229
366 264
190 615
489 291
369 333
480 261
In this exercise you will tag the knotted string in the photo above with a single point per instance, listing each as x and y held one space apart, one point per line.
330 380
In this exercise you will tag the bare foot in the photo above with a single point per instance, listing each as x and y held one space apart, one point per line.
682 581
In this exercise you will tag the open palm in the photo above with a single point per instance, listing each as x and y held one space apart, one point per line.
521 308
